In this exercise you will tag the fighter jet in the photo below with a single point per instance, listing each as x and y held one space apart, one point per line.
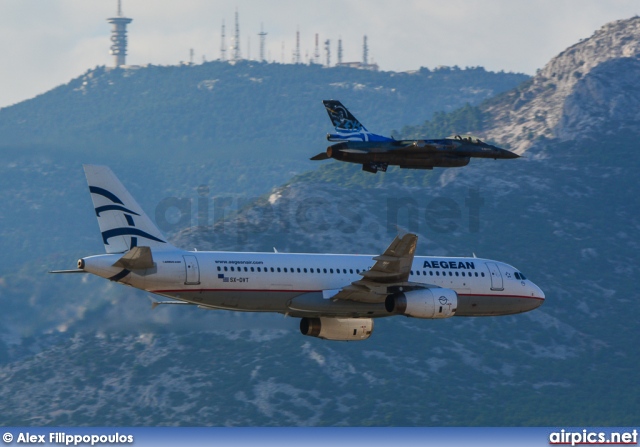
376 152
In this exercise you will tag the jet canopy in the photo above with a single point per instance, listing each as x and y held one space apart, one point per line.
466 138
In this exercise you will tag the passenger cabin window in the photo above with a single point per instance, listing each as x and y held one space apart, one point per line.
252 269
482 274
219 268
324 270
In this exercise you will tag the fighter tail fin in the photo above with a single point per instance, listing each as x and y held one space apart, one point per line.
348 128
122 222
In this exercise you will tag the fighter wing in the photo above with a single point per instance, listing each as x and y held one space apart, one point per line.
412 146
388 275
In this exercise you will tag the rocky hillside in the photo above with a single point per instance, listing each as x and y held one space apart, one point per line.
589 83
566 215
249 111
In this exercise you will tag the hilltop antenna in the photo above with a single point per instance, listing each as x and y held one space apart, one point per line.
296 54
339 51
365 52
191 53
327 49
316 54
262 35
119 36
223 48
235 49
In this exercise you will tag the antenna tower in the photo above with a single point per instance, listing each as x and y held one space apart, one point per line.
340 50
119 36
365 52
296 54
327 49
235 49
223 47
262 35
316 54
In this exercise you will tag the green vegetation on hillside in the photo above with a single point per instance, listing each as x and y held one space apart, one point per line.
216 109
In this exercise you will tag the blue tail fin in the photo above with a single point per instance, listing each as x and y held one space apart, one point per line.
348 128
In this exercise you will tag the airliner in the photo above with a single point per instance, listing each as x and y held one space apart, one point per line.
336 296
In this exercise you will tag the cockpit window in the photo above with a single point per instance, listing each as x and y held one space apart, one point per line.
467 138
519 275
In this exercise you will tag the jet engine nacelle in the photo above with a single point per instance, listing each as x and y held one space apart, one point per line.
342 329
430 303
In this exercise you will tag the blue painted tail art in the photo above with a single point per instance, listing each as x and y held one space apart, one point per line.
348 128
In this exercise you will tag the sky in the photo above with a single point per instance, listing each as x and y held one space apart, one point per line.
46 43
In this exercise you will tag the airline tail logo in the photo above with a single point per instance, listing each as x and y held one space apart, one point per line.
118 206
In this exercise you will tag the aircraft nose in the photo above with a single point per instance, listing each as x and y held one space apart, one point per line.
503 153
538 294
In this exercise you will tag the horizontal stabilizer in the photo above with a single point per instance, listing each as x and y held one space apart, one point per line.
138 258
68 271
354 151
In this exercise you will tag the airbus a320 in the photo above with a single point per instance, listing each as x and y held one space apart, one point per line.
336 296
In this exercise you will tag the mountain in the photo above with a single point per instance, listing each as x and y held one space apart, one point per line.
585 92
248 110
82 351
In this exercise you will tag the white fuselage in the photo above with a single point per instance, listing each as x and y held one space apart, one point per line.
303 284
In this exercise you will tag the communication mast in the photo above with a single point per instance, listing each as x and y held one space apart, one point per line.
365 52
236 55
327 49
339 51
316 54
119 36
262 35
223 47
296 54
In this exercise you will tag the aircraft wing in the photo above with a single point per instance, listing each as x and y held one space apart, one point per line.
416 145
388 275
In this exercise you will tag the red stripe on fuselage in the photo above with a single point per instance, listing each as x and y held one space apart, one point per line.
309 291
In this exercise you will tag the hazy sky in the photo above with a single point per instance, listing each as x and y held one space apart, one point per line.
45 43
